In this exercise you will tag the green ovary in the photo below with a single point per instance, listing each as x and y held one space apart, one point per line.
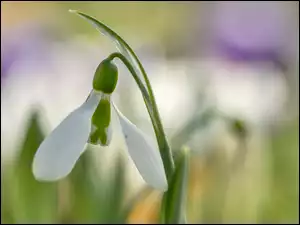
106 77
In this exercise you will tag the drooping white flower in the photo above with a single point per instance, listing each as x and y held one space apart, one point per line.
91 123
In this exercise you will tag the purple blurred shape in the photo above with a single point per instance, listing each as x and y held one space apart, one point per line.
25 43
235 53
252 31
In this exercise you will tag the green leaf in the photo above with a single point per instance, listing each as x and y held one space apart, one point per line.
7 215
174 202
33 201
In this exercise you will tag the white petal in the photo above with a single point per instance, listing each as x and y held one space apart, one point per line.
146 158
59 152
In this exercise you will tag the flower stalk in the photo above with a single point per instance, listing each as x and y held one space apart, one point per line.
151 105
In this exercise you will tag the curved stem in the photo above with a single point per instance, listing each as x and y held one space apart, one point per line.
149 99
167 152
132 71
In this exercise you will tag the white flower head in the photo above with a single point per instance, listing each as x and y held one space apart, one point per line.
91 123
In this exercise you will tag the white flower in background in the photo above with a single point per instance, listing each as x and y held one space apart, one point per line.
91 123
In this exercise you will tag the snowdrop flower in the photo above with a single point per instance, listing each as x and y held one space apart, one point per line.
91 123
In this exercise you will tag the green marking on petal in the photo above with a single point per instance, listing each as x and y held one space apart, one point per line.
103 136
100 122
99 136
101 117
94 138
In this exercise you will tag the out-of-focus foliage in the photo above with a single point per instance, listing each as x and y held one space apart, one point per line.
84 196
285 177
30 200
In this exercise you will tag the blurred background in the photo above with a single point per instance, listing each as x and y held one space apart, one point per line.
226 80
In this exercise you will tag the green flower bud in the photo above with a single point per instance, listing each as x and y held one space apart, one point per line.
239 127
106 77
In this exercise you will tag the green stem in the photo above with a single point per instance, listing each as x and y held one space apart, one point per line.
150 102
167 152
134 74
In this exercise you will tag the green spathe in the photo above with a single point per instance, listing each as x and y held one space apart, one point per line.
106 77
